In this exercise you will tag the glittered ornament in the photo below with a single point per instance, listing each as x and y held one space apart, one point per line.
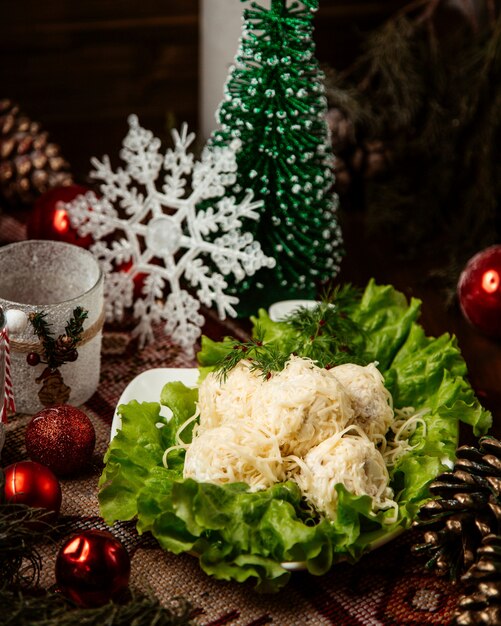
62 438
49 219
33 484
92 568
479 291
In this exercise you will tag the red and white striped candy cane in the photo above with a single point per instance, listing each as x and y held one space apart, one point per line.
8 403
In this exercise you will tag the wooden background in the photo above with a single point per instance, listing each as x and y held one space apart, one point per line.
80 68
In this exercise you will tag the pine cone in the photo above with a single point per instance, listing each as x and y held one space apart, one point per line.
64 348
29 164
482 605
467 510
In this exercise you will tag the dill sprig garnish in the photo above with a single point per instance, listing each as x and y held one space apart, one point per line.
262 356
324 333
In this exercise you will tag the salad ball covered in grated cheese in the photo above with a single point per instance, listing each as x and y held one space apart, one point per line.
353 461
301 406
370 400
232 454
229 399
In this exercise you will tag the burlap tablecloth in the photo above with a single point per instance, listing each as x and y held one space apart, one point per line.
388 586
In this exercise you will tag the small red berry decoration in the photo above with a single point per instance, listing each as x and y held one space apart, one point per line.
33 484
62 438
479 291
49 219
33 358
92 568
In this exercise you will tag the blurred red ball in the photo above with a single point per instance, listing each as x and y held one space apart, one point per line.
92 568
32 484
49 220
479 291
62 438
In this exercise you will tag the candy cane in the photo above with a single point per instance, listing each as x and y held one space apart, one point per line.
9 403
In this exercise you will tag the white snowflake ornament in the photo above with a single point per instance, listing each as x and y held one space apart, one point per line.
164 238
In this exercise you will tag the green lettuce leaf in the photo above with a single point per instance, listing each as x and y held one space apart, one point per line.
129 460
240 535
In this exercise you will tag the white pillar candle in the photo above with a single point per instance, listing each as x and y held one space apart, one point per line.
220 28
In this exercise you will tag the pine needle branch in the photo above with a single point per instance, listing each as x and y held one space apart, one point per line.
74 327
21 528
51 609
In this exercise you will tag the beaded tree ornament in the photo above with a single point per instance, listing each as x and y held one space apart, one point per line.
275 104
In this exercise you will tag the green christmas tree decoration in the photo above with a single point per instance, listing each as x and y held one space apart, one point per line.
275 105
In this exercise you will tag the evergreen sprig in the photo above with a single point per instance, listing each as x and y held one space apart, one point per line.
58 351
324 333
428 87
74 327
21 528
52 609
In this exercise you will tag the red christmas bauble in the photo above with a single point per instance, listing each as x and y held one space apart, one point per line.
479 291
92 568
49 220
33 484
62 438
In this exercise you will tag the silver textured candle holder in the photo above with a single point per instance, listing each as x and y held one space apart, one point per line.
54 284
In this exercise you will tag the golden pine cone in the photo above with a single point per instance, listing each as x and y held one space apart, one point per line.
29 163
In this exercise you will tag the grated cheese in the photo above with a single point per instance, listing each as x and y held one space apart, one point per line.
316 426
370 400
301 405
220 401
237 453
351 460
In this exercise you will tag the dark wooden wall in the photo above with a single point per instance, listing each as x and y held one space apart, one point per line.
80 68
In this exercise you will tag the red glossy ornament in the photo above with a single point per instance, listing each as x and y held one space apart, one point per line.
33 484
479 291
92 568
33 358
49 220
62 438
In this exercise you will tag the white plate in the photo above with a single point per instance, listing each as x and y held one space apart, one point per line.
147 387
279 311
